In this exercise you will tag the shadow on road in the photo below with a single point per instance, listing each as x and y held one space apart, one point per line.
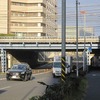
2 91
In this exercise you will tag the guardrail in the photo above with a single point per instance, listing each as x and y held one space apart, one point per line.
36 71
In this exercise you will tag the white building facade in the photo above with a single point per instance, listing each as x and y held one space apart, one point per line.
28 17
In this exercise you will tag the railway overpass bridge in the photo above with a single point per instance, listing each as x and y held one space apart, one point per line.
47 43
29 46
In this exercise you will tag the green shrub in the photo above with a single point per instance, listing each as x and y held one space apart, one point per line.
74 88
7 34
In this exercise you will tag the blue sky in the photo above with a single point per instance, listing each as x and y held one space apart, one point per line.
82 2
92 7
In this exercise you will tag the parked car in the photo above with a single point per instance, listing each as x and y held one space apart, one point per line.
19 71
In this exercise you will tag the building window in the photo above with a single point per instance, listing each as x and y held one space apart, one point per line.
42 24
24 4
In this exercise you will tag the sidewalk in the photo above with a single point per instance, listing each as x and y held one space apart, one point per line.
2 76
93 91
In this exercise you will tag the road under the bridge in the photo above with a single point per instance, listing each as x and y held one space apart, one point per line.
26 56
29 56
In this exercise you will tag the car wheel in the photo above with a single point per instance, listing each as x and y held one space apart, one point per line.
30 77
8 78
25 78
54 76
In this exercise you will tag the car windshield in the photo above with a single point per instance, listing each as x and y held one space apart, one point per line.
58 64
18 67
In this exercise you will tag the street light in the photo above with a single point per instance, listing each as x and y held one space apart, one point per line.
84 52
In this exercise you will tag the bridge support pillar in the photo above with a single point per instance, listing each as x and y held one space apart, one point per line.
88 58
9 56
84 60
3 60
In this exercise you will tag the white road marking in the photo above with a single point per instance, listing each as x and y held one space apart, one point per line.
5 87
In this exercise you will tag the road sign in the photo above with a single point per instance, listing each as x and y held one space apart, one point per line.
89 49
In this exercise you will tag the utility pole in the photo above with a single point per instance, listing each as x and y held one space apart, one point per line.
77 72
84 51
63 58
84 42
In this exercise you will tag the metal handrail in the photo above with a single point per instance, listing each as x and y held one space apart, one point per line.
44 37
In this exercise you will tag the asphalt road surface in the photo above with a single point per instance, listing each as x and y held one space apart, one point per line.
19 90
93 92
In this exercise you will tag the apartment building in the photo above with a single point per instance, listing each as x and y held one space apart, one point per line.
28 17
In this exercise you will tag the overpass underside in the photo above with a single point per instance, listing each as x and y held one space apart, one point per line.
10 57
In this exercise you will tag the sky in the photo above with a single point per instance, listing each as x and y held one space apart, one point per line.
72 3
82 2
92 16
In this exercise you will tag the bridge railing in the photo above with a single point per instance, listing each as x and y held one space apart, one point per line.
48 39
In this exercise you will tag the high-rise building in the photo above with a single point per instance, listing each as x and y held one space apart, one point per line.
71 31
28 17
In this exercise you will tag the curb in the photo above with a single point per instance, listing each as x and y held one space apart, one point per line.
35 72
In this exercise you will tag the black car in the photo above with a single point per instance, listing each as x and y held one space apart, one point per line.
19 71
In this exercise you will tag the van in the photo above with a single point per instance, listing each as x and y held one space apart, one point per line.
56 68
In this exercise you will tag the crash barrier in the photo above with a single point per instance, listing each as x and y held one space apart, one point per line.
35 71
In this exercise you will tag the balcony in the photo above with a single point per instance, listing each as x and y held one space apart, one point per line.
27 9
27 29
29 1
28 19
